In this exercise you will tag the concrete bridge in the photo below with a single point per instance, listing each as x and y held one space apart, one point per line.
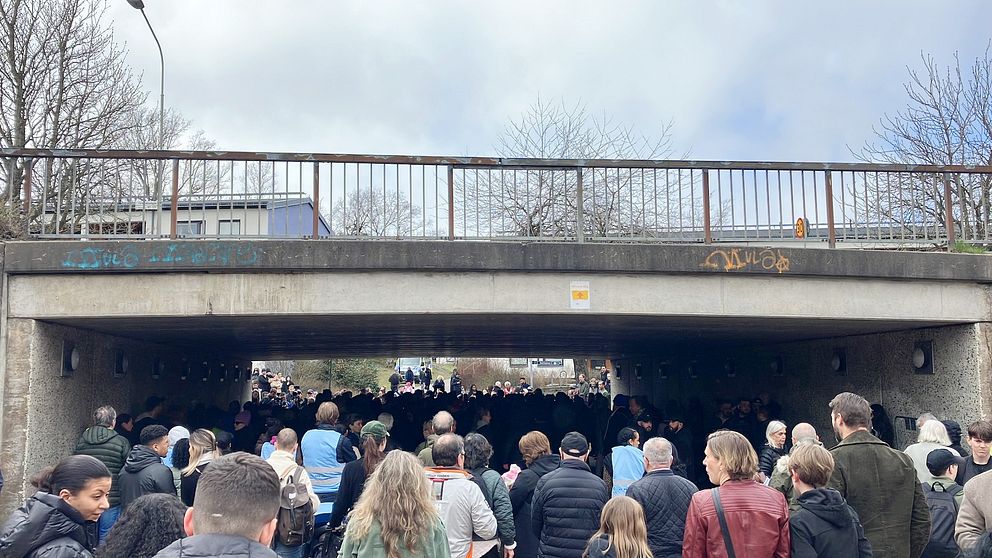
87 323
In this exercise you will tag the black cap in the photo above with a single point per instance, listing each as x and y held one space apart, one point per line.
940 459
644 417
574 444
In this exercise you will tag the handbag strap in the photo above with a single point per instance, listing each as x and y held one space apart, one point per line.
727 541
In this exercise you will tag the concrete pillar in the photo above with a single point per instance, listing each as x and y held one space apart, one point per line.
44 412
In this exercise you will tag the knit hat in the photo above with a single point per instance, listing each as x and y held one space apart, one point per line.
375 429
177 433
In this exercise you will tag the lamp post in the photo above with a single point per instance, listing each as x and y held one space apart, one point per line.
140 6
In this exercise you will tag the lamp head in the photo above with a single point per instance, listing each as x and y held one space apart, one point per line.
137 4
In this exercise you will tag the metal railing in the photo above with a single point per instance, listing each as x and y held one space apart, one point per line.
173 194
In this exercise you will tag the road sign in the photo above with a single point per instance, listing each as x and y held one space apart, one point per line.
579 299
802 227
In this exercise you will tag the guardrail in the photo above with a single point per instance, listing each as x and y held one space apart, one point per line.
173 194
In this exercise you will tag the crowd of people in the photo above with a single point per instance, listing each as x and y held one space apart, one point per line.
505 473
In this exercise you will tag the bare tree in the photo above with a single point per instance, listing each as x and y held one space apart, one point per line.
371 213
542 202
65 84
948 121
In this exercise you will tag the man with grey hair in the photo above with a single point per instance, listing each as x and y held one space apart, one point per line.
665 498
460 500
237 499
443 423
104 443
923 419
387 420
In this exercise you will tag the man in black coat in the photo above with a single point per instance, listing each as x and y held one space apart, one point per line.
568 502
665 498
143 472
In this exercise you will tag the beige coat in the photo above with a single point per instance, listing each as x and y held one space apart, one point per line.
285 465
975 516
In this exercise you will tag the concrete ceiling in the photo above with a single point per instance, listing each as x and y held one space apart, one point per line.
301 337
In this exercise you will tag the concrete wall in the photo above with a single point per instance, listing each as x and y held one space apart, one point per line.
878 368
44 413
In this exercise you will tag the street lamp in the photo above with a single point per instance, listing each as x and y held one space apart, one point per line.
140 6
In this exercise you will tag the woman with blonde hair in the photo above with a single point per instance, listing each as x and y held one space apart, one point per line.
395 516
774 449
933 435
622 532
202 450
740 516
536 450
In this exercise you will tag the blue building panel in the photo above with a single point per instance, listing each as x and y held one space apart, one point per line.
294 219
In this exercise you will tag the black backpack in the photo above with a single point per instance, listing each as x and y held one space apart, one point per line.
295 520
477 479
943 513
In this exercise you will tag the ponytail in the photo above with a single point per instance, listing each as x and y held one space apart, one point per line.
72 474
371 452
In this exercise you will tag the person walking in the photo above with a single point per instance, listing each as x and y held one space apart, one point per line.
535 450
283 460
568 502
880 483
622 532
144 472
104 443
740 516
55 522
396 516
665 498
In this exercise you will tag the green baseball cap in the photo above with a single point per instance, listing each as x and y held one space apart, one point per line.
375 429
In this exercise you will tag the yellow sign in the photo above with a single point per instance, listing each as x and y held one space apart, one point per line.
579 295
801 228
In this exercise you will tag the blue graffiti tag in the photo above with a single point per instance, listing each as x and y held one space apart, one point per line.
129 256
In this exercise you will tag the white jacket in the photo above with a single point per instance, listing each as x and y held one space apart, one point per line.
285 465
464 510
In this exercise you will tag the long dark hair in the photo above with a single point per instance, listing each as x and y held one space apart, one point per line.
180 454
72 473
371 454
150 524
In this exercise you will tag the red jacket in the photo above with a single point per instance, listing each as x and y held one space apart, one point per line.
757 516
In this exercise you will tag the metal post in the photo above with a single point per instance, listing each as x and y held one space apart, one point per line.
949 213
28 164
174 213
451 202
316 200
831 228
580 226
707 230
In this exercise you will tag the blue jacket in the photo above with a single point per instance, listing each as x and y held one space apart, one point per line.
320 458
628 467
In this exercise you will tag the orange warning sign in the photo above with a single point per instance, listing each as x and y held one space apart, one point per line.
800 228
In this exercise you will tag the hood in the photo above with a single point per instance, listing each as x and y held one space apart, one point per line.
953 431
43 519
98 435
545 464
140 458
210 545
828 505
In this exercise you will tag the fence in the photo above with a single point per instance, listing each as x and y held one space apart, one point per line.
170 194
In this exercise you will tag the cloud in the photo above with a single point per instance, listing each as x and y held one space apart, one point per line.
755 80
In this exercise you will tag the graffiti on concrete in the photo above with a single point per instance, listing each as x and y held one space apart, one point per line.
743 259
155 255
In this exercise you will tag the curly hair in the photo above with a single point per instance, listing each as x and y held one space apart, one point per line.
150 523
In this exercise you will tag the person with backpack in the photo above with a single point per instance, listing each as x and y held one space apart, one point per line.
478 452
943 496
824 526
298 502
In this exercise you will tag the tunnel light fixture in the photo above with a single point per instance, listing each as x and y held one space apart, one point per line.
777 366
616 371
922 358
158 368
184 370
730 367
70 358
237 373
206 372
223 372
693 370
120 364
638 371
838 362
664 369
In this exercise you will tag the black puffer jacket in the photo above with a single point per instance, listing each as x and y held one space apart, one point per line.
567 504
111 449
522 497
144 473
665 498
47 527
204 546
769 457
825 526
600 547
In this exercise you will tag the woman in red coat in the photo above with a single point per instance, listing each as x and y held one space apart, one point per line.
757 517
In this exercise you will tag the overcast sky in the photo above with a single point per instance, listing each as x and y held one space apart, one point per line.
740 80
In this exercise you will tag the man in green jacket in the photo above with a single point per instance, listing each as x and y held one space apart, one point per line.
879 482
104 443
